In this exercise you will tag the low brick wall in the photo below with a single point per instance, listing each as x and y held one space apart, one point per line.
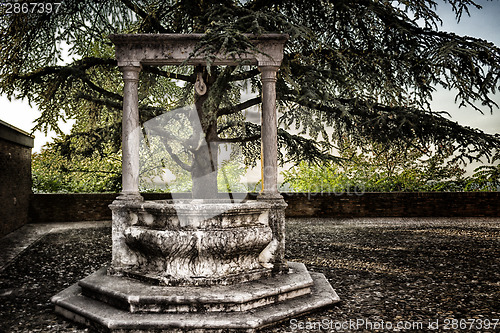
395 204
94 206
72 207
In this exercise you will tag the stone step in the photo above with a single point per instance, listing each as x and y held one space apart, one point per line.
71 304
136 296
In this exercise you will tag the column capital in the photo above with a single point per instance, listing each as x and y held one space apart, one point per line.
131 73
268 73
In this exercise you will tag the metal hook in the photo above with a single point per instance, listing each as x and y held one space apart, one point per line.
199 86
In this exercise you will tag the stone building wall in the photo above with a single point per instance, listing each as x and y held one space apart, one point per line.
15 177
94 207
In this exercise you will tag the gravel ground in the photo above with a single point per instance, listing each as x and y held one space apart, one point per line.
407 275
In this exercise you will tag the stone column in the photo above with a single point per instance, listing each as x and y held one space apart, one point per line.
269 134
131 131
269 139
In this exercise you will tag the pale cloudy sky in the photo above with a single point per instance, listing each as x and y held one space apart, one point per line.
482 23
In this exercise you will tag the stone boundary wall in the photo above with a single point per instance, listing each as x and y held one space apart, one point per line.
396 204
94 206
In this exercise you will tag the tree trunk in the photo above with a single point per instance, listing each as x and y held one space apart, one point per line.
204 171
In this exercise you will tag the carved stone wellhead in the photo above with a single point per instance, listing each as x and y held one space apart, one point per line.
191 242
177 264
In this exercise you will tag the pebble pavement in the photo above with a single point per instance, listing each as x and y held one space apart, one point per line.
392 274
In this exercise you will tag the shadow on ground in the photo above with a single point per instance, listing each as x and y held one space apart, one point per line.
389 273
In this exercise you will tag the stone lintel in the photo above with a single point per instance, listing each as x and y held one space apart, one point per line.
179 49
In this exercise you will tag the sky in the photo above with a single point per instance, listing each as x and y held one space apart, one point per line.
483 24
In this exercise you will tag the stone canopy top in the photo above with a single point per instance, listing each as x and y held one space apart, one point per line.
134 50
180 49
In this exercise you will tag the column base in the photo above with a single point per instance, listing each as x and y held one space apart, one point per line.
130 196
272 197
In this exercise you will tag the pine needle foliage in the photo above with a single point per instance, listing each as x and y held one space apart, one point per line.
365 68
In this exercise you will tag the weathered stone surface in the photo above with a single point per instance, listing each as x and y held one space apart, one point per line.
277 224
191 242
73 305
177 49
136 296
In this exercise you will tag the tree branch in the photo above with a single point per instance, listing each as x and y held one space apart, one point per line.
246 75
299 148
177 159
167 135
100 101
312 105
239 107
160 131
150 19
385 123
156 70
100 90
240 139
143 110
80 65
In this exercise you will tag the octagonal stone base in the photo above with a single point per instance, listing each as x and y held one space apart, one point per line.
119 304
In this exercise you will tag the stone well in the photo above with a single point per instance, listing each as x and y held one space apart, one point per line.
189 264
191 242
